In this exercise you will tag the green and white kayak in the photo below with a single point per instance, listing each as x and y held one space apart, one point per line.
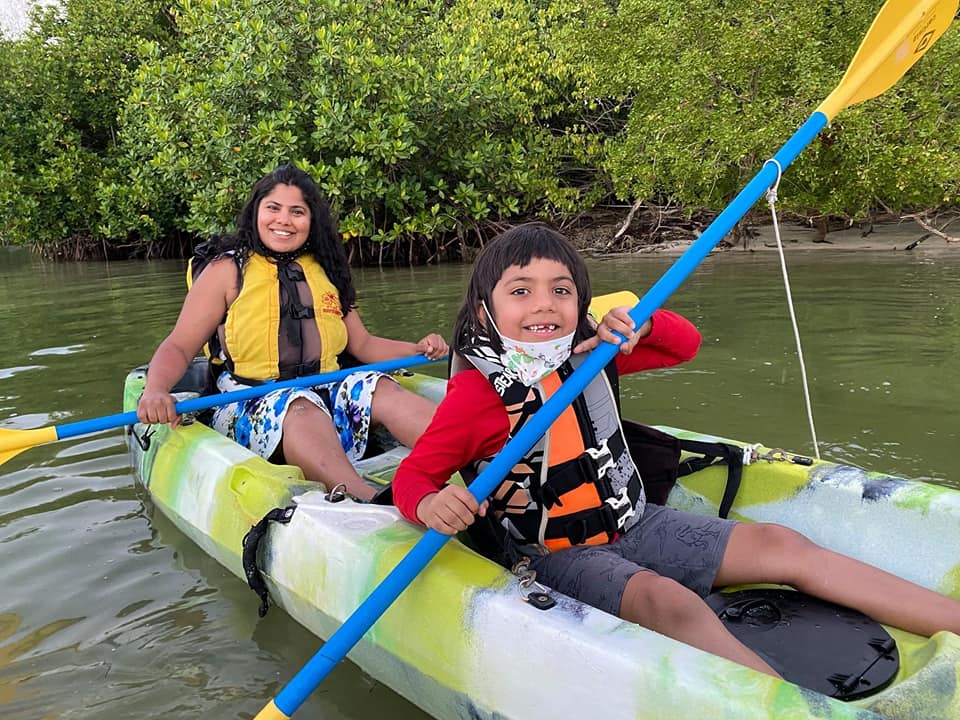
462 641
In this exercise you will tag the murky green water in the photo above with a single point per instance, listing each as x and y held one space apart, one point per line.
107 612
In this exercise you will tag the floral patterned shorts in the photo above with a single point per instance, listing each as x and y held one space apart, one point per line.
257 424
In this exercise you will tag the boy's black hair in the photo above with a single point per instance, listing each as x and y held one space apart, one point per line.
323 242
518 246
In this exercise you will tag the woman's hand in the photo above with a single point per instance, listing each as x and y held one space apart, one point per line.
157 407
618 320
451 510
433 346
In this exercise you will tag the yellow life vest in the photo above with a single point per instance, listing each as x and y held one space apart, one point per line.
265 326
202 256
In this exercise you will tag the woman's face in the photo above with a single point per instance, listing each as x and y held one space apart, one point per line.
535 302
283 219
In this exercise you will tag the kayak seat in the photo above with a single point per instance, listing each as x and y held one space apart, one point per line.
834 650
196 379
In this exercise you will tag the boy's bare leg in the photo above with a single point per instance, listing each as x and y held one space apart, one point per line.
764 552
669 608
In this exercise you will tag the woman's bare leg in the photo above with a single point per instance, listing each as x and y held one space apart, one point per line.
669 608
311 443
405 414
764 552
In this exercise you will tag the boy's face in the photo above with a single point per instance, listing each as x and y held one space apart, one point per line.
536 302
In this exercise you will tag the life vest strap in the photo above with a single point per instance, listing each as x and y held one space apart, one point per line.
608 519
590 466
578 527
503 502
302 370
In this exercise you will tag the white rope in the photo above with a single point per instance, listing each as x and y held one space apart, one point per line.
772 202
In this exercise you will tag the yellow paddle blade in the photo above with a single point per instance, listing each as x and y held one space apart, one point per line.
271 712
901 33
14 442
602 304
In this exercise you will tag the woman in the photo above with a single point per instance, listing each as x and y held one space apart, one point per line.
278 302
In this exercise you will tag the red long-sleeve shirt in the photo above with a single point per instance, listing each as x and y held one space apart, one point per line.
471 422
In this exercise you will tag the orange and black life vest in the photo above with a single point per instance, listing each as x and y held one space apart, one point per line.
578 485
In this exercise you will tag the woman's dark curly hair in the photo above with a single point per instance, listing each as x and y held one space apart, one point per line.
518 246
323 241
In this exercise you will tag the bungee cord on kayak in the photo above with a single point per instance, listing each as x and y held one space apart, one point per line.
771 196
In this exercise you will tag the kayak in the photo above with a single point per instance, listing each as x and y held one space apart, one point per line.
471 639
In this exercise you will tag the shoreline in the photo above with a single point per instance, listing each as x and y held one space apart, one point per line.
889 236
595 236
902 236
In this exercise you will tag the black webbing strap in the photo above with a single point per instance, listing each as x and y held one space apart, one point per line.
251 543
583 469
578 527
715 453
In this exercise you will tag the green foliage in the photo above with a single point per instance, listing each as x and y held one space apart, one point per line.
413 117
132 121
714 88
60 87
533 47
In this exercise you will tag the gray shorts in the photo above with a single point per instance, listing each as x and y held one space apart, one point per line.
685 547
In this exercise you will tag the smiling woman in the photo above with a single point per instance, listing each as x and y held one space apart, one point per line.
277 301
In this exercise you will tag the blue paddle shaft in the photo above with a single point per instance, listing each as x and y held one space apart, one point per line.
107 422
340 643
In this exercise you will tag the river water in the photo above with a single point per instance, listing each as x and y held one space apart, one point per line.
110 613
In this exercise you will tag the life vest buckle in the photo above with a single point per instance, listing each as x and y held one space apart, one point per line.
622 506
301 312
603 459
